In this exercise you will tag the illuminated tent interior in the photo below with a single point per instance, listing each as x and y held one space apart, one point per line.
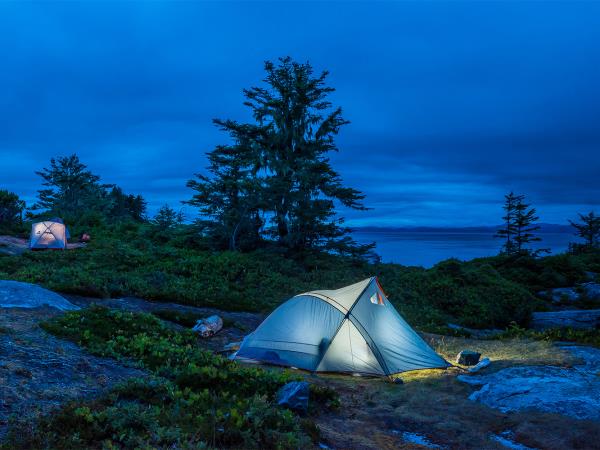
354 329
48 235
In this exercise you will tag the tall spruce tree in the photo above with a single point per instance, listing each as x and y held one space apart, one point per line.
588 229
285 155
125 206
70 188
525 225
519 226
230 199
508 231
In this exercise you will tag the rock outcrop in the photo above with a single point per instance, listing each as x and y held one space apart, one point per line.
578 318
15 294
573 392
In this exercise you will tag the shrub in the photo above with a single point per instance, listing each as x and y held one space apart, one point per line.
195 398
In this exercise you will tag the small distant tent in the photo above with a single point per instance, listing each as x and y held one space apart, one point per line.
48 235
354 329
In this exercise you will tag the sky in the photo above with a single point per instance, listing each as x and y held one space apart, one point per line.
451 104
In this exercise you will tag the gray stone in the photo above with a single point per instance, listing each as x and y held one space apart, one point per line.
15 294
573 318
294 395
209 326
573 392
468 358
591 290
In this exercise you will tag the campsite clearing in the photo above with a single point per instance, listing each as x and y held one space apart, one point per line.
373 412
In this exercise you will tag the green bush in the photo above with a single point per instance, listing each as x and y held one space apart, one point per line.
122 261
194 400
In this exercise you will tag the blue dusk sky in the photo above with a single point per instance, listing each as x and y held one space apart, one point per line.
452 104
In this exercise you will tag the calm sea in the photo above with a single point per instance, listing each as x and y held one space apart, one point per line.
426 248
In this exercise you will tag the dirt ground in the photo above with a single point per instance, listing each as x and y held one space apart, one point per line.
38 371
433 404
11 245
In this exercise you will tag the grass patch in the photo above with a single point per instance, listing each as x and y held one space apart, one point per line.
194 399
587 337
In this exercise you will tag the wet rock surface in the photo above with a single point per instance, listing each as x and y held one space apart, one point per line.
39 372
573 392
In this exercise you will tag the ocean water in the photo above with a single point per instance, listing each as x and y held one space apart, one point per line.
426 248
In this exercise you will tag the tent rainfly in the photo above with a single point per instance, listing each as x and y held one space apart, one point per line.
48 235
354 329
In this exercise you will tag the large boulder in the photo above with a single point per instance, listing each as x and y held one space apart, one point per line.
294 395
15 294
468 358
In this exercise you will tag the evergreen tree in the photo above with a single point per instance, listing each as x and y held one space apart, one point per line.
11 210
279 168
525 218
519 226
588 229
125 206
230 198
508 232
70 188
167 218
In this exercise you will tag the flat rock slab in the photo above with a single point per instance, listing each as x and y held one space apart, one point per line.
574 318
573 392
39 372
15 294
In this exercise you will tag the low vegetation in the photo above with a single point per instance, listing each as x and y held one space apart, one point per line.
133 259
588 337
191 399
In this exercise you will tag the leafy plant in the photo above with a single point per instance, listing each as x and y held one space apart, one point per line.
194 398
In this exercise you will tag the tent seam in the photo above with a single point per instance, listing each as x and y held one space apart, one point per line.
382 363
346 317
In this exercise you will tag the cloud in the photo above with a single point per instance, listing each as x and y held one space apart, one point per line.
451 105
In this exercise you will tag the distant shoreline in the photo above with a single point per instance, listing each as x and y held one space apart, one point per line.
544 228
